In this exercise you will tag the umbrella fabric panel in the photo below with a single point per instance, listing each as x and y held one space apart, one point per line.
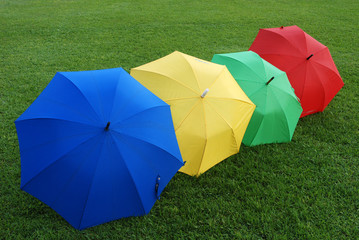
147 132
101 178
192 139
54 138
233 113
99 93
61 99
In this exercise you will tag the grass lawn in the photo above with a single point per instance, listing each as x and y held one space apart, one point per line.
305 189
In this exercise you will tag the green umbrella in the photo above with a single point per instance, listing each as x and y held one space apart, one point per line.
278 109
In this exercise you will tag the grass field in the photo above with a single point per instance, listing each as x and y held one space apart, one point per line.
305 189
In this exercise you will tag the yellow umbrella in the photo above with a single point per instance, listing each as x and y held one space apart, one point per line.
210 111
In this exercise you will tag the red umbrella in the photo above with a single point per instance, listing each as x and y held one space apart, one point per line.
307 62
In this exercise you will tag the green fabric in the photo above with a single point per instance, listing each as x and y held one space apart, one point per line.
278 109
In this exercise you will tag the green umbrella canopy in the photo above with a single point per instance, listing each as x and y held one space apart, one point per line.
278 110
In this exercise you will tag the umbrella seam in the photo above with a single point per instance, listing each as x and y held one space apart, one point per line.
90 187
205 143
190 111
145 141
82 95
173 99
219 76
290 43
133 181
60 157
63 105
184 56
323 105
256 129
209 104
99 98
135 114
284 113
233 99
123 103
246 66
162 74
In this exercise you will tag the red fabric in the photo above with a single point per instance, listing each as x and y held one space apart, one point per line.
315 81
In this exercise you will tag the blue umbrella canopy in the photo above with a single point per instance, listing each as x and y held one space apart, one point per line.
97 146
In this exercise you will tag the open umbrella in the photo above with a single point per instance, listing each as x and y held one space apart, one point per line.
209 110
307 62
277 108
97 146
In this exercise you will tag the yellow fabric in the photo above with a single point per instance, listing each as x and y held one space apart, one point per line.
208 129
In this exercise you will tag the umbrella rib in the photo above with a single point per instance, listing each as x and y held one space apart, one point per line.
230 99
194 74
189 112
161 74
281 106
324 92
81 94
60 157
89 189
174 99
205 141
98 96
246 66
123 103
290 42
145 141
219 76
67 107
280 55
257 90
135 114
209 104
132 179
67 137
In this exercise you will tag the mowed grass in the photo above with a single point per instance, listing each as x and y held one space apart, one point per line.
305 189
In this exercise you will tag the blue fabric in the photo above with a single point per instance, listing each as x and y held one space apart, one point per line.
88 174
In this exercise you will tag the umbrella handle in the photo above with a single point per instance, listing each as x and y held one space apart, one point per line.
270 80
204 93
309 57
157 185
107 126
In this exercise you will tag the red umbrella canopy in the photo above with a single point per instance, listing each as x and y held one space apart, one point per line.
309 66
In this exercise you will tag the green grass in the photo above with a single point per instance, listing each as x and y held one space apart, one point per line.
305 189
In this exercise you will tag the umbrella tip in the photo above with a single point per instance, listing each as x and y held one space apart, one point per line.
205 93
309 56
269 80
281 27
107 126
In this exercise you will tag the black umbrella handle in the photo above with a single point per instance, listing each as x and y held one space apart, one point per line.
270 80
107 126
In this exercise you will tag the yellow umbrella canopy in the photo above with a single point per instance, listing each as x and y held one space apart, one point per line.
210 111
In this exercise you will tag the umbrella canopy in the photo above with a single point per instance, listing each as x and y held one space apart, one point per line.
277 108
209 110
308 64
97 146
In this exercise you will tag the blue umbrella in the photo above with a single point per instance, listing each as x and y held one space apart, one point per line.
97 146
